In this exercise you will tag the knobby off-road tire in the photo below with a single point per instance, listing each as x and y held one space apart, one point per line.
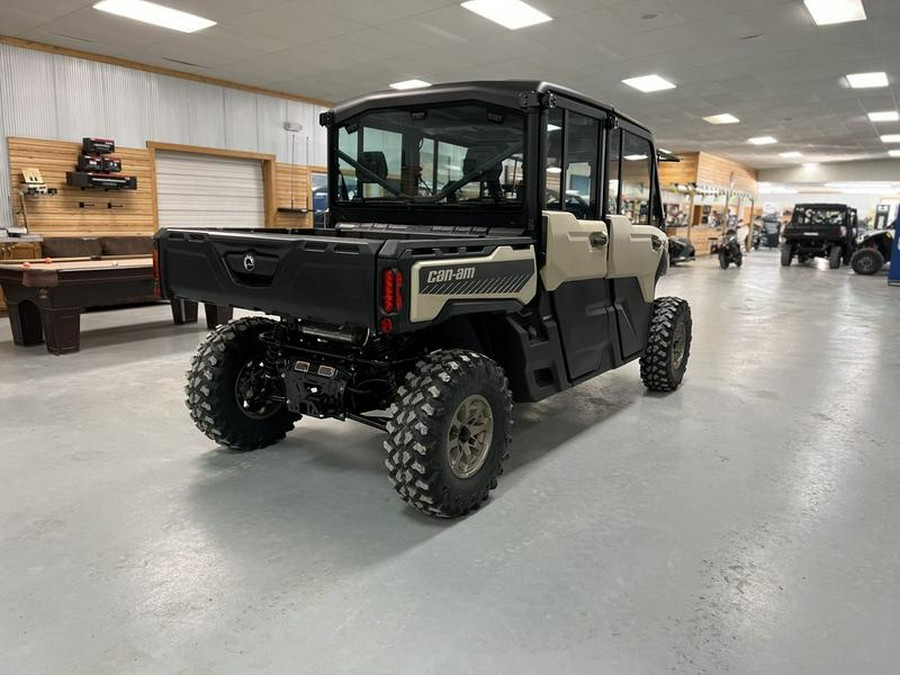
835 256
867 261
448 391
227 362
787 255
665 358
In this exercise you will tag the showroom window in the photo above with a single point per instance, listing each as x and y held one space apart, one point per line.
636 178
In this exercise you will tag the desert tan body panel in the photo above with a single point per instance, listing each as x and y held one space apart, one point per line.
507 273
591 249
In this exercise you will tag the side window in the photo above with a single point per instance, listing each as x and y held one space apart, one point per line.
582 138
615 144
553 170
636 178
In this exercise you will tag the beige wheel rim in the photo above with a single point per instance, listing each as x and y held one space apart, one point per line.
470 435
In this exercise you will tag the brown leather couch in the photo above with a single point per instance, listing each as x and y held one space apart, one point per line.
95 247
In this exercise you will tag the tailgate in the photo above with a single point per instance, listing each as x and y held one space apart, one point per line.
308 276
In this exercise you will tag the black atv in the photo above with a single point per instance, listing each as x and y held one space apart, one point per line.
729 251
681 250
820 231
873 251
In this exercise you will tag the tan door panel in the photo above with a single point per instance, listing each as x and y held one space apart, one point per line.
576 249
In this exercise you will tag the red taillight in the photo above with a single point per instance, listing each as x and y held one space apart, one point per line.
391 291
157 291
386 325
388 291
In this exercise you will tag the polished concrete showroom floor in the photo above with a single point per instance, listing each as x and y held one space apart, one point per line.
748 523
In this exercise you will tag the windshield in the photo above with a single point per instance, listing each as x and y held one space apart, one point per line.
465 154
818 217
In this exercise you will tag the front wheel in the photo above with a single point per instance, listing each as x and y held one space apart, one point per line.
787 255
230 395
449 433
665 358
834 257
867 261
723 259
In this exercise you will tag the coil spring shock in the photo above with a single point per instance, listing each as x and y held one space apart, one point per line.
277 337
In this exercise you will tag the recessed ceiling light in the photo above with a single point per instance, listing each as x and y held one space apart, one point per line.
722 118
894 153
648 83
867 80
158 15
410 84
554 169
886 116
809 166
891 138
634 158
512 14
761 140
825 12
790 155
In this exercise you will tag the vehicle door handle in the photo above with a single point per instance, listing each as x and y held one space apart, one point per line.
599 239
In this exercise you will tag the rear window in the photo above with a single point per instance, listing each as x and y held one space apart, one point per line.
818 217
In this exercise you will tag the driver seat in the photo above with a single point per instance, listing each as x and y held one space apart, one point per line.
488 177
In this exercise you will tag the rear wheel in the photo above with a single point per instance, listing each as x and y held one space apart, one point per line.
867 261
230 395
449 433
834 257
787 255
738 259
669 345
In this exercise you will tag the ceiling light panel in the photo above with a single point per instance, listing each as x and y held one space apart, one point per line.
722 118
791 154
885 116
826 12
512 14
410 84
894 153
761 140
649 83
867 80
156 15
891 138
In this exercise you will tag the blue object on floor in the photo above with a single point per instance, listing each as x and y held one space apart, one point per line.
894 274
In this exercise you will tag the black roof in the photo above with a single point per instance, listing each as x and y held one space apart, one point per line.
500 92
823 206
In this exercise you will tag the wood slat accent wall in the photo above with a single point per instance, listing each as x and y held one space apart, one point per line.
682 172
60 215
299 175
719 171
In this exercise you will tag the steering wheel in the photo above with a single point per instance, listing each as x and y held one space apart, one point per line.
575 204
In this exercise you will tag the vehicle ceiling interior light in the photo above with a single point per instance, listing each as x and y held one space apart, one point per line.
410 84
649 83
723 118
512 14
157 15
762 140
885 116
867 80
826 12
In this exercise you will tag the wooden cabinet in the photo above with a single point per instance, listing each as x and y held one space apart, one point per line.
17 250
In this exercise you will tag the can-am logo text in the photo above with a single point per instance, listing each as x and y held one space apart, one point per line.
458 274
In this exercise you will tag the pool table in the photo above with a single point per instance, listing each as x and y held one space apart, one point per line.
46 299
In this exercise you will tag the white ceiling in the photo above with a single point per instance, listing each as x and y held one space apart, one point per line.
762 60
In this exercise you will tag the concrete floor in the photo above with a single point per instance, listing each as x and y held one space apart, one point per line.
748 523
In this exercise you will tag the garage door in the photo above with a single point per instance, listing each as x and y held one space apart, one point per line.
208 191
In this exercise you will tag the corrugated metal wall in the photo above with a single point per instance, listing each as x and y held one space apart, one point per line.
63 98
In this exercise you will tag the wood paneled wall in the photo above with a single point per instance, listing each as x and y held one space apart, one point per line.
718 171
681 172
60 215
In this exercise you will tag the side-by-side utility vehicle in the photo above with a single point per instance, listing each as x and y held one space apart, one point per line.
820 231
486 242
